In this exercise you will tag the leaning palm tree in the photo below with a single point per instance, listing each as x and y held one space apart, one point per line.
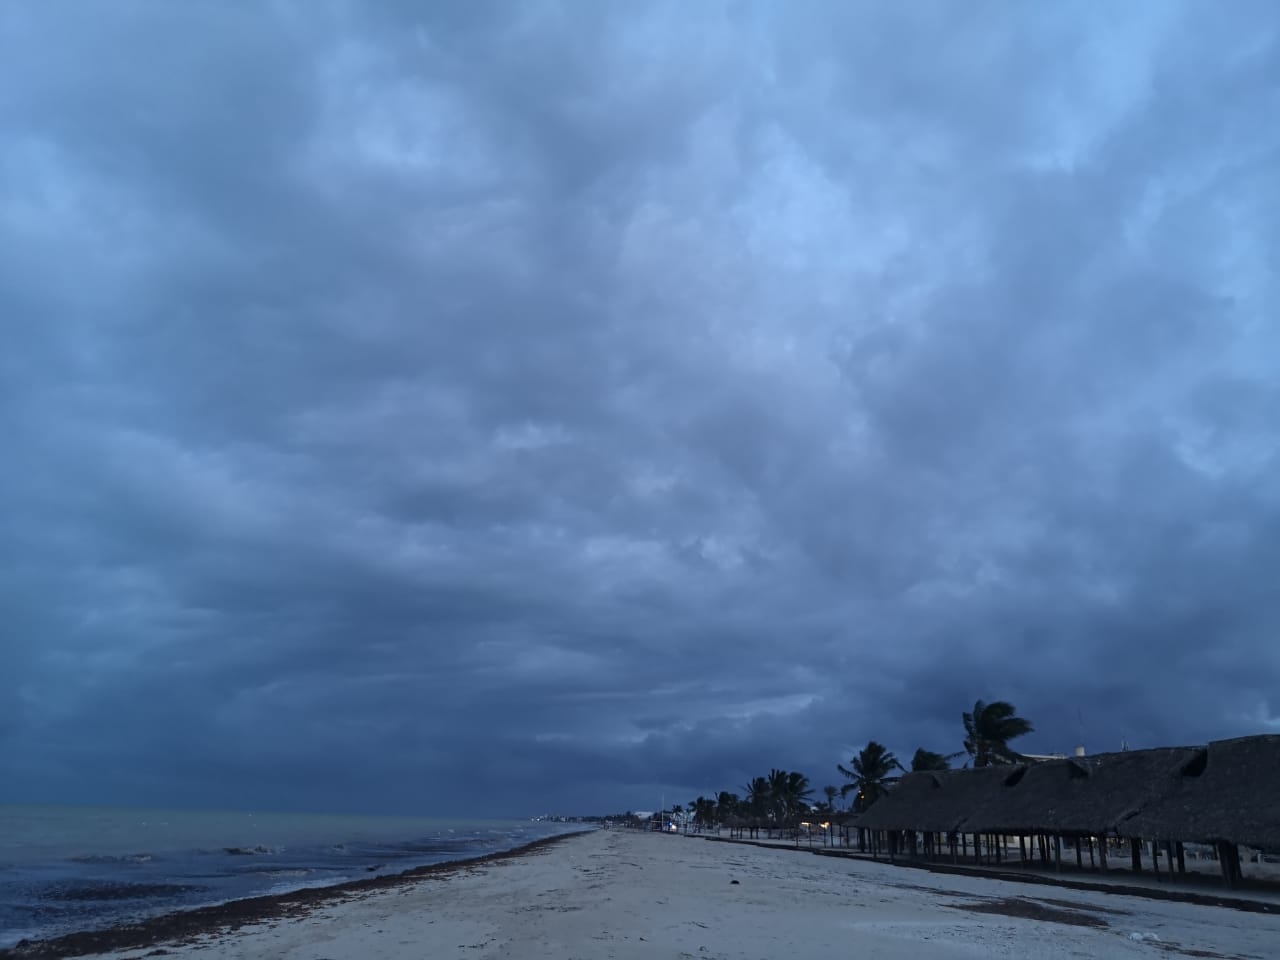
988 730
871 774
928 760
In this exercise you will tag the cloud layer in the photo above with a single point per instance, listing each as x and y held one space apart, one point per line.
479 408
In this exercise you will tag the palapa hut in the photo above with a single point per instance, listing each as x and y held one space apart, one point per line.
1228 795
934 803
1080 798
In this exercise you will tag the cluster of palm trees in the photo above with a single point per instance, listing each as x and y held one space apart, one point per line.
988 729
775 800
782 798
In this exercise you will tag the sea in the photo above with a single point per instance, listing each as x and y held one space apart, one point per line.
67 869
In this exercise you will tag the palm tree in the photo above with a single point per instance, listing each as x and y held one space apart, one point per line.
988 730
785 796
777 795
928 760
831 792
727 805
873 771
796 795
704 811
757 797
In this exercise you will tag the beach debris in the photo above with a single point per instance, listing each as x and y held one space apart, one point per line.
733 881
1140 937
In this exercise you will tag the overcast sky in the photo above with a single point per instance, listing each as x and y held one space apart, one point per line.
511 407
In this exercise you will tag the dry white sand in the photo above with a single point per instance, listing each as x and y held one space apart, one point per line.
631 895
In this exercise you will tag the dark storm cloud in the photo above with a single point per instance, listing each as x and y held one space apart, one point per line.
548 407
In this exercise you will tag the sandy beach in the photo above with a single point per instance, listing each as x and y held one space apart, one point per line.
618 894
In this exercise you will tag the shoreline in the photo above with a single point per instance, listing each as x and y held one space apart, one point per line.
230 915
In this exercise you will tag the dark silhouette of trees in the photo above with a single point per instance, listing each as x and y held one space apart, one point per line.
870 774
988 730
928 760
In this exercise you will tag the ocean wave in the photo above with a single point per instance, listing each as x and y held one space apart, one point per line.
109 858
79 891
251 851
287 872
285 886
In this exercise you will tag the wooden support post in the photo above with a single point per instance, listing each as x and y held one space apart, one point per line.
1102 852
1092 863
1224 860
1079 855
1182 858
1135 854
1057 853
1022 847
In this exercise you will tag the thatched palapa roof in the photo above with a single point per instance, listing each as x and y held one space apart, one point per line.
935 802
1231 793
1081 795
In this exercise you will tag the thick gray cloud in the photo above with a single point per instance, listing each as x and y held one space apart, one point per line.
480 408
